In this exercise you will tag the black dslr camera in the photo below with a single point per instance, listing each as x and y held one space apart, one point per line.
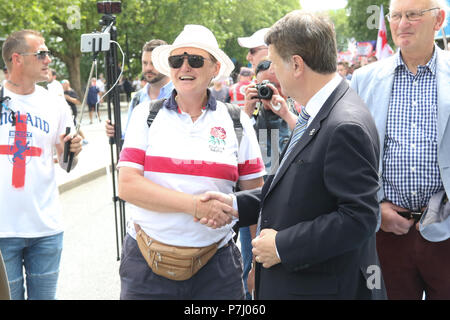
264 91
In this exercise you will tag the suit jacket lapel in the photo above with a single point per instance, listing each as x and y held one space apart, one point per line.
380 99
442 80
310 132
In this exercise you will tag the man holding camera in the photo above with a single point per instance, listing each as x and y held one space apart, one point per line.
266 124
258 96
269 126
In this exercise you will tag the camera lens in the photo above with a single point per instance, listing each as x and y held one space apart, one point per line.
264 92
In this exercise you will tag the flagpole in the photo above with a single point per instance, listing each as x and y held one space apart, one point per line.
444 38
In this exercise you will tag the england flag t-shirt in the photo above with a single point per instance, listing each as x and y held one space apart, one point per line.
29 205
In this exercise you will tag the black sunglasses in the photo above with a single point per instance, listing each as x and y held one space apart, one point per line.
195 61
263 66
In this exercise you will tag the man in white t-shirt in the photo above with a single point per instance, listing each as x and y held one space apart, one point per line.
53 85
101 87
32 126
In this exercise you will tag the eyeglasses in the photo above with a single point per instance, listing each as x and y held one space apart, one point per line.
255 50
41 55
411 15
194 61
263 66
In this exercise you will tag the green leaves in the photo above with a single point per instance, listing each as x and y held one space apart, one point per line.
363 18
63 21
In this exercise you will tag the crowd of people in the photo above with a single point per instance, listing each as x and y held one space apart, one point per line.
326 172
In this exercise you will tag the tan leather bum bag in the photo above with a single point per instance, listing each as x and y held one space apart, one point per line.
173 262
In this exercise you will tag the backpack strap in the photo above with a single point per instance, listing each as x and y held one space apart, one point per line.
233 110
153 109
235 114
135 100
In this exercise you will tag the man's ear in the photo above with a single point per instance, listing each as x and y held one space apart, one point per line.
298 65
16 58
440 18
216 72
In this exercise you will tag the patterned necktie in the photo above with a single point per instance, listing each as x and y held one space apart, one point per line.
299 129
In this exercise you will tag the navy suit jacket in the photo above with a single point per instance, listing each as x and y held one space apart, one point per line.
323 203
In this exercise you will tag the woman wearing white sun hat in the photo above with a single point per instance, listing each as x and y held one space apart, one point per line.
190 148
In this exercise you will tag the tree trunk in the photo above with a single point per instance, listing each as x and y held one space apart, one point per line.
73 67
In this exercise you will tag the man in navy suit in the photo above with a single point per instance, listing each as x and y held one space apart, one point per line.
318 211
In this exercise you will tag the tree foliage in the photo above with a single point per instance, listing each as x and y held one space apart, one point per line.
342 29
364 17
62 22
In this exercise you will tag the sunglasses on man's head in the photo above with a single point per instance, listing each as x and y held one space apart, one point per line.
263 66
41 55
195 61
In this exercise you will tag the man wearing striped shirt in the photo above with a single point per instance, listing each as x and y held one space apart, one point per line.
408 95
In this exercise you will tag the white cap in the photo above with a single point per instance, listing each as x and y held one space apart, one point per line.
255 40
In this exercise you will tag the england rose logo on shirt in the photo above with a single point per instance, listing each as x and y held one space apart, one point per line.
217 139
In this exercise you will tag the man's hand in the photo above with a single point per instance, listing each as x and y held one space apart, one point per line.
75 144
264 248
250 99
110 131
214 209
391 221
218 198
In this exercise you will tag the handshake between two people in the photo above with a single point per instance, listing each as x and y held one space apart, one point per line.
214 209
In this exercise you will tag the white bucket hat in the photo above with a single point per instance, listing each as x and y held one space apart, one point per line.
255 40
194 36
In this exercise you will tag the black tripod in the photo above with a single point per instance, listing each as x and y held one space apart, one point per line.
113 102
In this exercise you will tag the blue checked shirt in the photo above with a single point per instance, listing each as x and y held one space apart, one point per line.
410 168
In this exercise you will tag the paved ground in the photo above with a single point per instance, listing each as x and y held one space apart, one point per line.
89 266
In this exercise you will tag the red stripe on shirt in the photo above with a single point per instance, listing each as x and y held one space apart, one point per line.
191 167
250 167
133 155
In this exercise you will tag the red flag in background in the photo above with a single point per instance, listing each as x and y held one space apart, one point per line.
383 49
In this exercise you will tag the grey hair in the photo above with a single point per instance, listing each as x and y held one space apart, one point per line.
434 3
442 4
